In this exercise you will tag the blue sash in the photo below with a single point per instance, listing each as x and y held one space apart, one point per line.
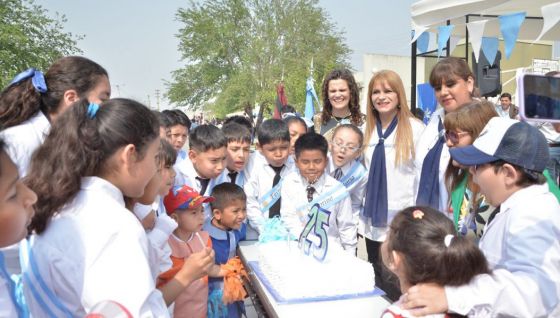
356 173
326 201
43 295
269 198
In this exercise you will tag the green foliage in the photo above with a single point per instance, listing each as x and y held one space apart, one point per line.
29 38
236 52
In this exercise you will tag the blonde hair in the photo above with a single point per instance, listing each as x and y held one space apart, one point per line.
404 142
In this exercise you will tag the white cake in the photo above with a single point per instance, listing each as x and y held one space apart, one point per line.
296 276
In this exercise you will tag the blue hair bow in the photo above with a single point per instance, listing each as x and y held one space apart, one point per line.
92 110
38 79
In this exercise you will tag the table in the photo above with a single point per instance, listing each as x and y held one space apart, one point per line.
369 307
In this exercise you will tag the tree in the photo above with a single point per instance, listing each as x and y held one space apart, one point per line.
237 51
29 38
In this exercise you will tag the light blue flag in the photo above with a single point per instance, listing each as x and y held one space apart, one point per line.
444 32
509 26
310 94
490 48
427 100
423 42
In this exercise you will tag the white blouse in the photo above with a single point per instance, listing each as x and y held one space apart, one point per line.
95 250
401 181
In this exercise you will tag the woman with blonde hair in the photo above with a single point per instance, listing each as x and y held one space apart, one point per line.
390 136
468 207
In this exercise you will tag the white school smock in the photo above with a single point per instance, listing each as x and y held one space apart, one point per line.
342 227
7 307
522 246
426 142
96 250
401 181
186 175
22 140
357 189
258 185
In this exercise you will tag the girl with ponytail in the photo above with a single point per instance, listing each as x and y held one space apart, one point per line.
422 246
86 246
33 101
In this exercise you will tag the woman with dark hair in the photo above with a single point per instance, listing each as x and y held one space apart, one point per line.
341 103
453 82
30 104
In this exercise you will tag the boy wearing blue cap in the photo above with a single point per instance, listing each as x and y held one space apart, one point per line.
521 240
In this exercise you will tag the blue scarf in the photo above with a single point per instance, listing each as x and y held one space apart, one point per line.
428 190
376 206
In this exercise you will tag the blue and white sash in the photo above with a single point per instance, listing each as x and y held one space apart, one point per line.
269 198
355 174
325 201
43 295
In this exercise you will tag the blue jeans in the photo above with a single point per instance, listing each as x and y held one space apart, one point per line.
553 164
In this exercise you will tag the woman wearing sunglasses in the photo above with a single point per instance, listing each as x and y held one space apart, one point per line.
453 82
468 207
390 135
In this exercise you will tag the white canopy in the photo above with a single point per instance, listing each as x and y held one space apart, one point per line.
433 13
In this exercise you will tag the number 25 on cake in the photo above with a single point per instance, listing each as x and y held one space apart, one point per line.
314 268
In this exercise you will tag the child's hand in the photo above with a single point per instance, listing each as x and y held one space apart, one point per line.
197 265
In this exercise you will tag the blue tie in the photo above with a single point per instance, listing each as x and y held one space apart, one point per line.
428 190
376 205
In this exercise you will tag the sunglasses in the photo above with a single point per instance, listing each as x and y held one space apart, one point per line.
453 136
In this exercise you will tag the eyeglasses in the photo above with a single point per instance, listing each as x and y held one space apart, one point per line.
454 137
341 146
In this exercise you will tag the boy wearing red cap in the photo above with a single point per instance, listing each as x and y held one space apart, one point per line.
184 205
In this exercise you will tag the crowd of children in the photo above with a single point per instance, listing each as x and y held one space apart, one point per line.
130 205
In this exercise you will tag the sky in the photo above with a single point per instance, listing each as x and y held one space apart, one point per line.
135 40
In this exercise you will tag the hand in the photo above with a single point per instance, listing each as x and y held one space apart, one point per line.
425 299
196 266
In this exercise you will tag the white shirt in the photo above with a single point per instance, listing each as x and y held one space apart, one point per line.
187 175
22 140
546 128
96 250
240 180
342 226
501 112
357 189
401 181
7 307
258 185
522 246
426 142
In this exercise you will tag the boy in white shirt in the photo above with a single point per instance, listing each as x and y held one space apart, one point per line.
520 240
207 160
345 167
177 129
237 153
308 185
263 188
